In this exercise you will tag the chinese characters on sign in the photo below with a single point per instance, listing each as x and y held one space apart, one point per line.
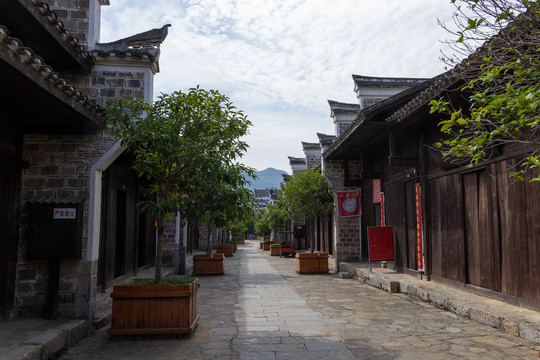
383 220
65 213
381 243
348 203
376 191
419 229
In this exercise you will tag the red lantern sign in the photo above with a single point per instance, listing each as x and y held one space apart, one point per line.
348 203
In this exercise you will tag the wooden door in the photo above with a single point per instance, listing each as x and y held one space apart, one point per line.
482 247
446 229
9 223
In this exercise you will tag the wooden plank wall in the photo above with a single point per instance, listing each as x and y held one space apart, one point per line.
519 212
484 230
395 216
446 228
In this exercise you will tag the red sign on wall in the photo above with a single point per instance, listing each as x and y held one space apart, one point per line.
383 220
419 228
381 243
348 203
376 191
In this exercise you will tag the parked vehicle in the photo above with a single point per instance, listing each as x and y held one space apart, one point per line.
286 249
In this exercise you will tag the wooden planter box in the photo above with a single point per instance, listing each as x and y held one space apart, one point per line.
226 250
241 241
266 246
208 264
154 309
316 263
234 245
274 249
261 245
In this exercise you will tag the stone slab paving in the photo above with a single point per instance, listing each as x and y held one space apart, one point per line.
262 309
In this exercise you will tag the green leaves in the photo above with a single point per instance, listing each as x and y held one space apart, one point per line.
503 90
185 144
307 193
270 219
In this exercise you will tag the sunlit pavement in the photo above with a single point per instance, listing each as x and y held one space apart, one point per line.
262 309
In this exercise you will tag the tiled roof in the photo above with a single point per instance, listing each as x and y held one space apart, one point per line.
35 64
410 100
46 11
326 139
369 112
343 107
386 82
310 146
293 160
144 45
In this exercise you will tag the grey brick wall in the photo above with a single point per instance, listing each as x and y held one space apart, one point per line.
74 14
347 229
170 248
59 171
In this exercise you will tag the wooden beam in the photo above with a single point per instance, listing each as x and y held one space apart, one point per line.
372 174
352 182
402 161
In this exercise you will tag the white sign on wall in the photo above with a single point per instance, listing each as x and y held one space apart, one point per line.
65 213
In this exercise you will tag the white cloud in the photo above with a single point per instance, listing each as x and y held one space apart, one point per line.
286 57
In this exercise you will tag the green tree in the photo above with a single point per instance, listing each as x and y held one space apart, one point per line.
270 219
307 194
187 145
502 81
222 205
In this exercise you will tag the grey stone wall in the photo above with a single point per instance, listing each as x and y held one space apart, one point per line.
204 236
170 248
348 233
59 171
104 85
74 14
313 160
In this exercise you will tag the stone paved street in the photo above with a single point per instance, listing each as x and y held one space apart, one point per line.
262 309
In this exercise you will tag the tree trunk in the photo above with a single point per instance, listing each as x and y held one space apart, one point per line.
210 233
159 250
310 234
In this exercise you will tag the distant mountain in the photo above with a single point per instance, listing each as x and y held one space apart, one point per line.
267 178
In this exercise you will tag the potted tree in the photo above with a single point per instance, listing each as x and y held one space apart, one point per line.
268 222
224 203
308 194
179 140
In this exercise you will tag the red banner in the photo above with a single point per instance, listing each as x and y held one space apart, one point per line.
376 191
383 221
419 228
348 203
381 243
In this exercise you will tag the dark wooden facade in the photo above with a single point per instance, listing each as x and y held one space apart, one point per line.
488 222
127 237
481 228
10 183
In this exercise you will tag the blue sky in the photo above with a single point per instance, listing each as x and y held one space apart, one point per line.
280 61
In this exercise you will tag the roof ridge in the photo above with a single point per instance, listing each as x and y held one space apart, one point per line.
34 62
